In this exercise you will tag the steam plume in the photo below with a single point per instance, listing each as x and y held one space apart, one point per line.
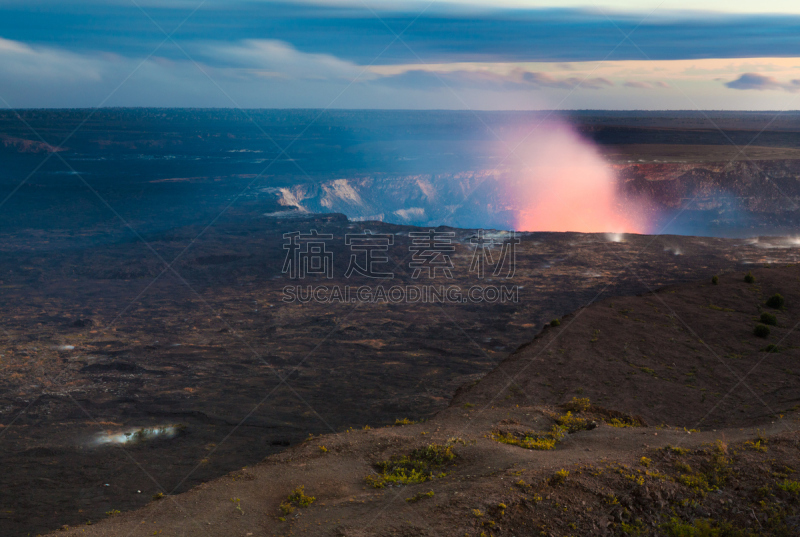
566 185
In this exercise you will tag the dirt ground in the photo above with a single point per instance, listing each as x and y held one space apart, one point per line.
684 355
656 452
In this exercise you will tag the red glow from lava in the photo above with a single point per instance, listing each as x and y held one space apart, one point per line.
568 186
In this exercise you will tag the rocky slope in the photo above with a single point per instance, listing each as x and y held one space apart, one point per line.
502 461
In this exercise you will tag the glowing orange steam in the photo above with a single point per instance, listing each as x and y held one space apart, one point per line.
567 186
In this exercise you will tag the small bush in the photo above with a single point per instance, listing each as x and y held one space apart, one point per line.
573 424
157 496
621 423
294 500
683 467
696 482
579 404
757 445
776 301
715 280
555 322
701 528
770 319
790 486
761 330
419 496
749 278
559 477
676 450
536 441
416 467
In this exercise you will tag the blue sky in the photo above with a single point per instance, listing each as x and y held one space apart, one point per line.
515 54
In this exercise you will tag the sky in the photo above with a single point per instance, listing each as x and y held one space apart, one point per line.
473 54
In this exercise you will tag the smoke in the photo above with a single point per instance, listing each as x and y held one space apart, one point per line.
566 185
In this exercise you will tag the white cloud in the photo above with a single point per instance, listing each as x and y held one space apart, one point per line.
20 60
272 58
256 73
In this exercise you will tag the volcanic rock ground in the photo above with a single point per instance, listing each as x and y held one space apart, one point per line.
713 446
211 347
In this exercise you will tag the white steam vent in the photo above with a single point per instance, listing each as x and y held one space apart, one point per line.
138 435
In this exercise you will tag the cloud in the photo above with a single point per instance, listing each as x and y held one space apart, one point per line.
273 58
755 81
46 64
276 73
638 85
546 80
484 76
253 72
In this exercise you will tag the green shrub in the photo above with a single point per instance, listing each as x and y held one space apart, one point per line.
405 421
294 500
790 486
676 450
416 467
623 422
770 319
559 477
555 322
572 424
701 528
749 278
578 404
419 496
761 330
697 482
776 301
715 280
531 440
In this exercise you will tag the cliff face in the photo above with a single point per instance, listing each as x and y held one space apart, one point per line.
764 186
464 199
740 198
